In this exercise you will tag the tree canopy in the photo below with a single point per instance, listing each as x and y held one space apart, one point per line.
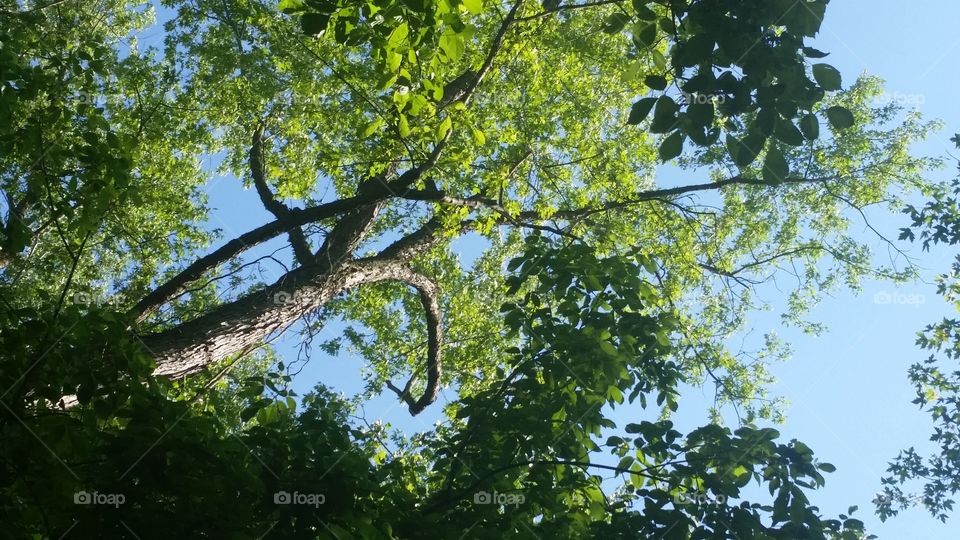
141 396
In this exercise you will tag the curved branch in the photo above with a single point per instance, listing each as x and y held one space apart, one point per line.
429 297
232 327
301 248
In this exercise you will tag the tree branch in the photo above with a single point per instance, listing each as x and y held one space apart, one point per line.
429 297
566 7
245 241
480 202
495 47
301 248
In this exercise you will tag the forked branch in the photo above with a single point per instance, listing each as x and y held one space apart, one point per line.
301 248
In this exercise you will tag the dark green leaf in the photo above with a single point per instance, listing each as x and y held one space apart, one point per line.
314 24
810 126
701 114
664 115
643 12
788 133
827 467
656 82
615 22
640 110
775 168
840 117
810 52
745 151
827 76
671 147
645 35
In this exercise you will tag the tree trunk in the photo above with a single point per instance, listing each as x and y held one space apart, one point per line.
241 324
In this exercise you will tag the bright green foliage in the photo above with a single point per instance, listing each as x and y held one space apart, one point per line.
90 158
538 129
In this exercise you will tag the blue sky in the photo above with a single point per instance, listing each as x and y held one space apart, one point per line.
848 394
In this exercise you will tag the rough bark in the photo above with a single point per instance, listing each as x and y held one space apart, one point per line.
241 324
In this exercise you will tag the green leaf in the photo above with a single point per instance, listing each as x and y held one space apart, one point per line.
827 76
827 467
478 137
371 128
664 115
668 25
314 24
775 167
671 147
473 6
615 22
452 45
766 121
788 133
645 35
393 61
398 37
640 110
695 51
810 52
810 126
840 117
609 349
701 114
291 7
656 82
744 151
443 128
644 13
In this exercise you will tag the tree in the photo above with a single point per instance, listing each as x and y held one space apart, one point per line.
377 135
937 384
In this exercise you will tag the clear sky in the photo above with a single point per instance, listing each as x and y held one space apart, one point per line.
848 391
